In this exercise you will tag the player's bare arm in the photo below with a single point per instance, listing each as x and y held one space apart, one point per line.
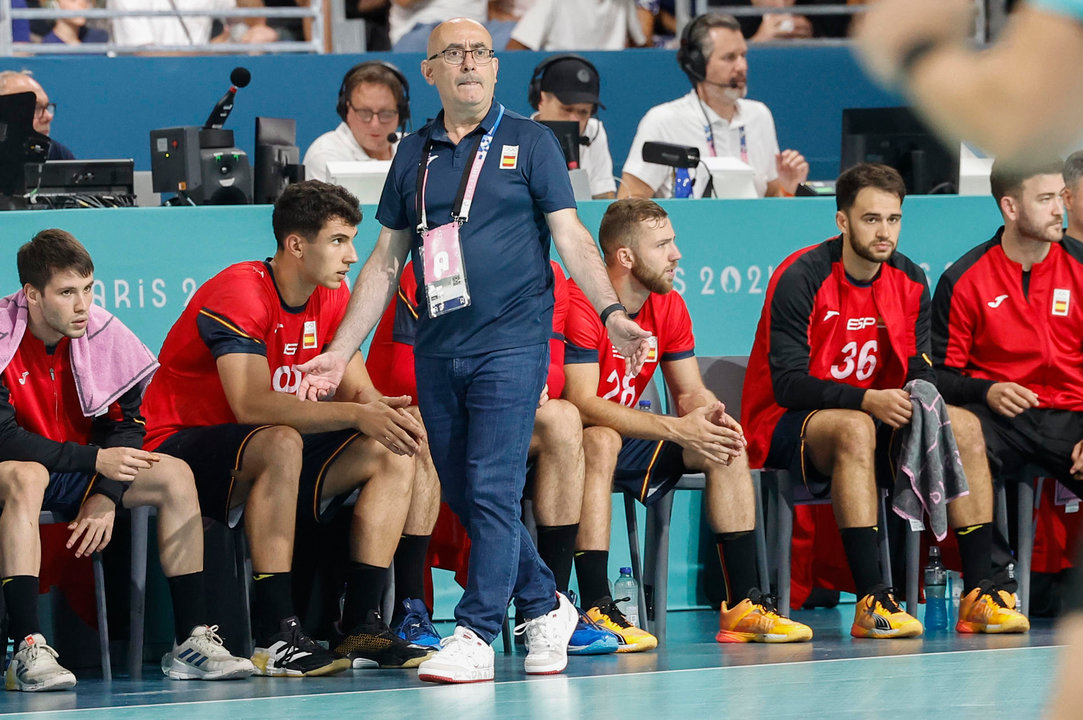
686 385
246 381
383 418
693 431
580 255
371 292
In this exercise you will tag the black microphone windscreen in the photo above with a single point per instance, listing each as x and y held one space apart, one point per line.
584 140
240 77
392 138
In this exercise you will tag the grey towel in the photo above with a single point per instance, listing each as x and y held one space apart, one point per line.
929 472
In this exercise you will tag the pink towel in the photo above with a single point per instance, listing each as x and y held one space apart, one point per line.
107 361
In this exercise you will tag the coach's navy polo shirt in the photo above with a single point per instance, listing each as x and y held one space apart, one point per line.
505 242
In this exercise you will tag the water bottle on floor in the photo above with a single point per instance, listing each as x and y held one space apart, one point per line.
936 580
626 594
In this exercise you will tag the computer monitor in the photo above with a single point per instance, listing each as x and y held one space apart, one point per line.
894 136
365 179
278 159
16 127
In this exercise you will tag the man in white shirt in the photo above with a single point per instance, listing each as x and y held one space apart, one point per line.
411 21
566 88
578 25
158 31
373 101
714 117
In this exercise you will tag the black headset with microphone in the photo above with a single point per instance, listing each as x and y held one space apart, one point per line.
690 55
534 91
341 106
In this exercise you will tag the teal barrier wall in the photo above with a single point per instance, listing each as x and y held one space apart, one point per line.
149 261
108 106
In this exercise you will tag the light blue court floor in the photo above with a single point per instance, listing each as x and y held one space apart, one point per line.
693 678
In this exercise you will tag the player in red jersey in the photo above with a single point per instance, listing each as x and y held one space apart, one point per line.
70 442
223 400
555 467
644 453
845 325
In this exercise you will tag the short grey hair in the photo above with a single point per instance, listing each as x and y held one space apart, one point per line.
700 36
1073 170
7 75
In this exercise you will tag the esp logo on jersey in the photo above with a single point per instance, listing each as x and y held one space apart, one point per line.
860 323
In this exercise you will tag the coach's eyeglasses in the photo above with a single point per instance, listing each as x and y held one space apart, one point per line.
456 56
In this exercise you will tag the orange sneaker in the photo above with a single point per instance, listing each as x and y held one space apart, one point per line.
755 619
879 616
988 609
629 637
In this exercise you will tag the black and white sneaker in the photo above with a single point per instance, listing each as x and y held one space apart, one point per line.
292 653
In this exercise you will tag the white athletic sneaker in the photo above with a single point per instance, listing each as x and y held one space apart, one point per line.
34 668
547 638
203 657
463 658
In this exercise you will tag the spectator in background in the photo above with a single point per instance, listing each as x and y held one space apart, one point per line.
412 20
375 14
74 30
791 26
159 31
578 25
565 88
503 17
12 82
373 100
658 18
20 29
714 117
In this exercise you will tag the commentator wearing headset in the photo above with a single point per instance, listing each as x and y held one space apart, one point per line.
374 104
714 117
566 88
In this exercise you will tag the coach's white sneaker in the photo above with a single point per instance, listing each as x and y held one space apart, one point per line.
463 658
547 638
34 668
203 657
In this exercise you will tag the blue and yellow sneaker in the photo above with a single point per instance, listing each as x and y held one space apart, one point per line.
589 638
416 626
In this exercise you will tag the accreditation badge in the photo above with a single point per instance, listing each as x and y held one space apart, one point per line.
445 274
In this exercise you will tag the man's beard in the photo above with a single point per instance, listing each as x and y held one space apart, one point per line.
655 282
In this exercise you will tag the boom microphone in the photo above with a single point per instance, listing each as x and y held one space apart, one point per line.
240 77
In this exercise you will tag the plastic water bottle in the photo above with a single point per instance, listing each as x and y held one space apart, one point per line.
936 580
645 405
626 593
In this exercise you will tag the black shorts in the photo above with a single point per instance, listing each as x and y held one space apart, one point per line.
1042 436
215 454
788 453
648 469
66 492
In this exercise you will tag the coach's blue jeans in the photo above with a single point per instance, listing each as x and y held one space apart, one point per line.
479 415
